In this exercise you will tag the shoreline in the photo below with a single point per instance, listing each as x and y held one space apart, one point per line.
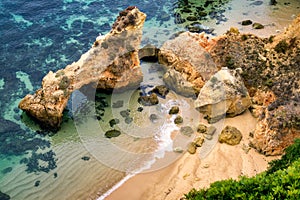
190 171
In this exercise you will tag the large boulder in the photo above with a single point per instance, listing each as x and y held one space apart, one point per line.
112 63
224 94
187 63
230 135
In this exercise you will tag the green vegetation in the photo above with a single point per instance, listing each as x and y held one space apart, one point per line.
280 181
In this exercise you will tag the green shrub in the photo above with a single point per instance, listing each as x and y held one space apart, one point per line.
281 181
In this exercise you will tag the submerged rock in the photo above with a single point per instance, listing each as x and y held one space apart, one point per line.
187 130
4 196
230 135
111 64
148 100
112 133
113 122
224 94
161 90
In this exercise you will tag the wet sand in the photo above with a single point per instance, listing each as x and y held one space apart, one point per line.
190 171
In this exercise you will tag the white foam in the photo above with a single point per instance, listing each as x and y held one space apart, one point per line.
165 143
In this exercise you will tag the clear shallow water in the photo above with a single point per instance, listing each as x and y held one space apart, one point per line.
39 36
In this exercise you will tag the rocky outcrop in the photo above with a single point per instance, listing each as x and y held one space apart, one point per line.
230 135
224 94
271 73
112 63
187 63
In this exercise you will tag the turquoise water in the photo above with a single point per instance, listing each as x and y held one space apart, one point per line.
39 36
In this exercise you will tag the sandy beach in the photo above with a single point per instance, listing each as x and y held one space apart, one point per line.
177 179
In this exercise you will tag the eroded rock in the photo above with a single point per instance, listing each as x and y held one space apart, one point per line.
230 135
148 100
224 94
188 64
174 110
112 63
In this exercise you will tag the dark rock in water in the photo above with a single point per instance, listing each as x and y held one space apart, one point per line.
148 53
187 130
140 109
273 2
258 26
153 117
32 163
37 183
192 18
174 110
4 196
6 170
257 3
143 89
85 158
196 27
178 120
164 17
202 128
112 133
118 104
55 175
178 19
161 90
148 100
128 120
230 135
125 113
202 14
113 122
246 22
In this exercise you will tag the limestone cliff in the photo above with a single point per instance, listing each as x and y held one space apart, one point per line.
112 63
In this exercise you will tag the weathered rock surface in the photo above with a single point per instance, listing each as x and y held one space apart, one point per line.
178 120
174 110
271 73
230 135
192 148
188 64
148 100
224 94
112 63
161 90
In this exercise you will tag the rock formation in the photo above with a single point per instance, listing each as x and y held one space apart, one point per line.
271 72
230 135
112 63
187 63
224 94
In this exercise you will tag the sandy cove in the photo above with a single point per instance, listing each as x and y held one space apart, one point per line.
223 162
